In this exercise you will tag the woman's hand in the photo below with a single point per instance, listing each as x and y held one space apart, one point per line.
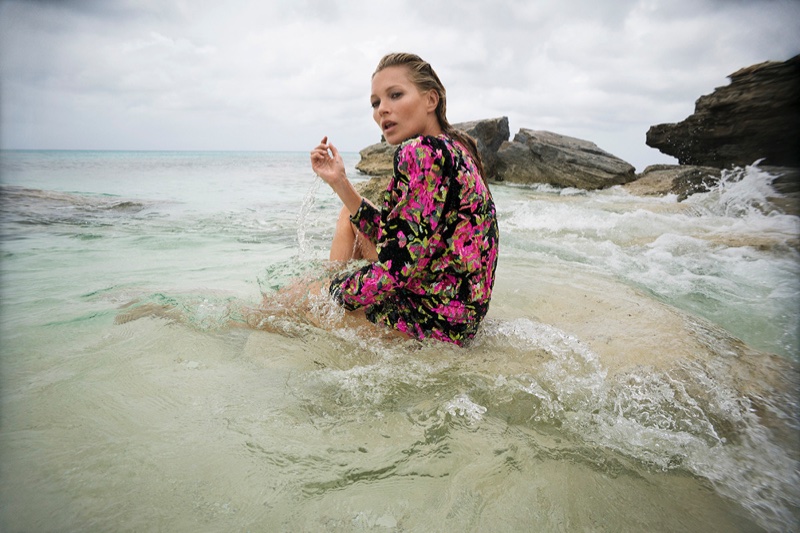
327 163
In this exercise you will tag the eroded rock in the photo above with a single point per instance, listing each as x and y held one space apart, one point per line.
755 117
559 160
683 180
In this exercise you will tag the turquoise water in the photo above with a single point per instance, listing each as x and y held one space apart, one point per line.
637 369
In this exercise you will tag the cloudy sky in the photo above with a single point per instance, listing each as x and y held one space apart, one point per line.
280 74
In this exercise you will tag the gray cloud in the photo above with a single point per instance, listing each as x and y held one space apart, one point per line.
127 74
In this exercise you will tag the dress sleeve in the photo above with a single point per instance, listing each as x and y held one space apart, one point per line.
367 219
417 198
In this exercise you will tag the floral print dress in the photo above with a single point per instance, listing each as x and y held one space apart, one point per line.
436 236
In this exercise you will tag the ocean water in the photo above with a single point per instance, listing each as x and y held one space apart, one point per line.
637 370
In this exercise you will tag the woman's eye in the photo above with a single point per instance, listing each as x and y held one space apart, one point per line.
375 103
395 96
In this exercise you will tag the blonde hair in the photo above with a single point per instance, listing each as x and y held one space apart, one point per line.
423 76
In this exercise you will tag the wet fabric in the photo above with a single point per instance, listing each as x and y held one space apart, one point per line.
436 236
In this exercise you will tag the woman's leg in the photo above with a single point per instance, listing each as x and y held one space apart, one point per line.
348 243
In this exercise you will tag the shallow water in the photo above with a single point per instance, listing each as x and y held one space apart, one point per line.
637 370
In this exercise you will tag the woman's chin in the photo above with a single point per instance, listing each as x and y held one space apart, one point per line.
392 139
395 137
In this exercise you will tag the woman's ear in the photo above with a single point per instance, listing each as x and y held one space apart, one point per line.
433 100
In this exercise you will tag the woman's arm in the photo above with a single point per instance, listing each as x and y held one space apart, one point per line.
417 202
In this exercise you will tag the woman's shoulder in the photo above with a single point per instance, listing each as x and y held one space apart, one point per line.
433 141
426 153
424 146
422 153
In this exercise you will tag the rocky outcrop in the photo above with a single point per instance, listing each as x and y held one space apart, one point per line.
787 186
376 159
373 189
683 180
532 157
546 157
756 116
686 180
490 134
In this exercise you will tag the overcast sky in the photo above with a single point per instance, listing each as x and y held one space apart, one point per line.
280 74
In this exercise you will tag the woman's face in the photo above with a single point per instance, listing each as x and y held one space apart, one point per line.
400 109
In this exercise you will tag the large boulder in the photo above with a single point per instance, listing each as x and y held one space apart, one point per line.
682 180
373 188
787 186
376 160
685 180
756 116
490 134
546 157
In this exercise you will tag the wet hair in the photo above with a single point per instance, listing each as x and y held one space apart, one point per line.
422 75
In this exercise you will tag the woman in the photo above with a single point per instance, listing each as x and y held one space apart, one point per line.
432 246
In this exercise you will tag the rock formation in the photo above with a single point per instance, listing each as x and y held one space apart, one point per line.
787 185
545 157
532 157
376 159
490 134
373 189
683 180
756 116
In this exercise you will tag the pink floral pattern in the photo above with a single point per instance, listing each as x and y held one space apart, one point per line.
436 235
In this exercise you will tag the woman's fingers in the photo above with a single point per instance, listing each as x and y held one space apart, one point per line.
326 161
325 152
322 147
320 153
334 151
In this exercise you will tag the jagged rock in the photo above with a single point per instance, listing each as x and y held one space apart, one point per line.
546 157
756 116
683 180
787 185
376 159
787 180
490 134
373 188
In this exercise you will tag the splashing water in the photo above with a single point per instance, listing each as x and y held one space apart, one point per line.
461 405
739 193
304 244
725 254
